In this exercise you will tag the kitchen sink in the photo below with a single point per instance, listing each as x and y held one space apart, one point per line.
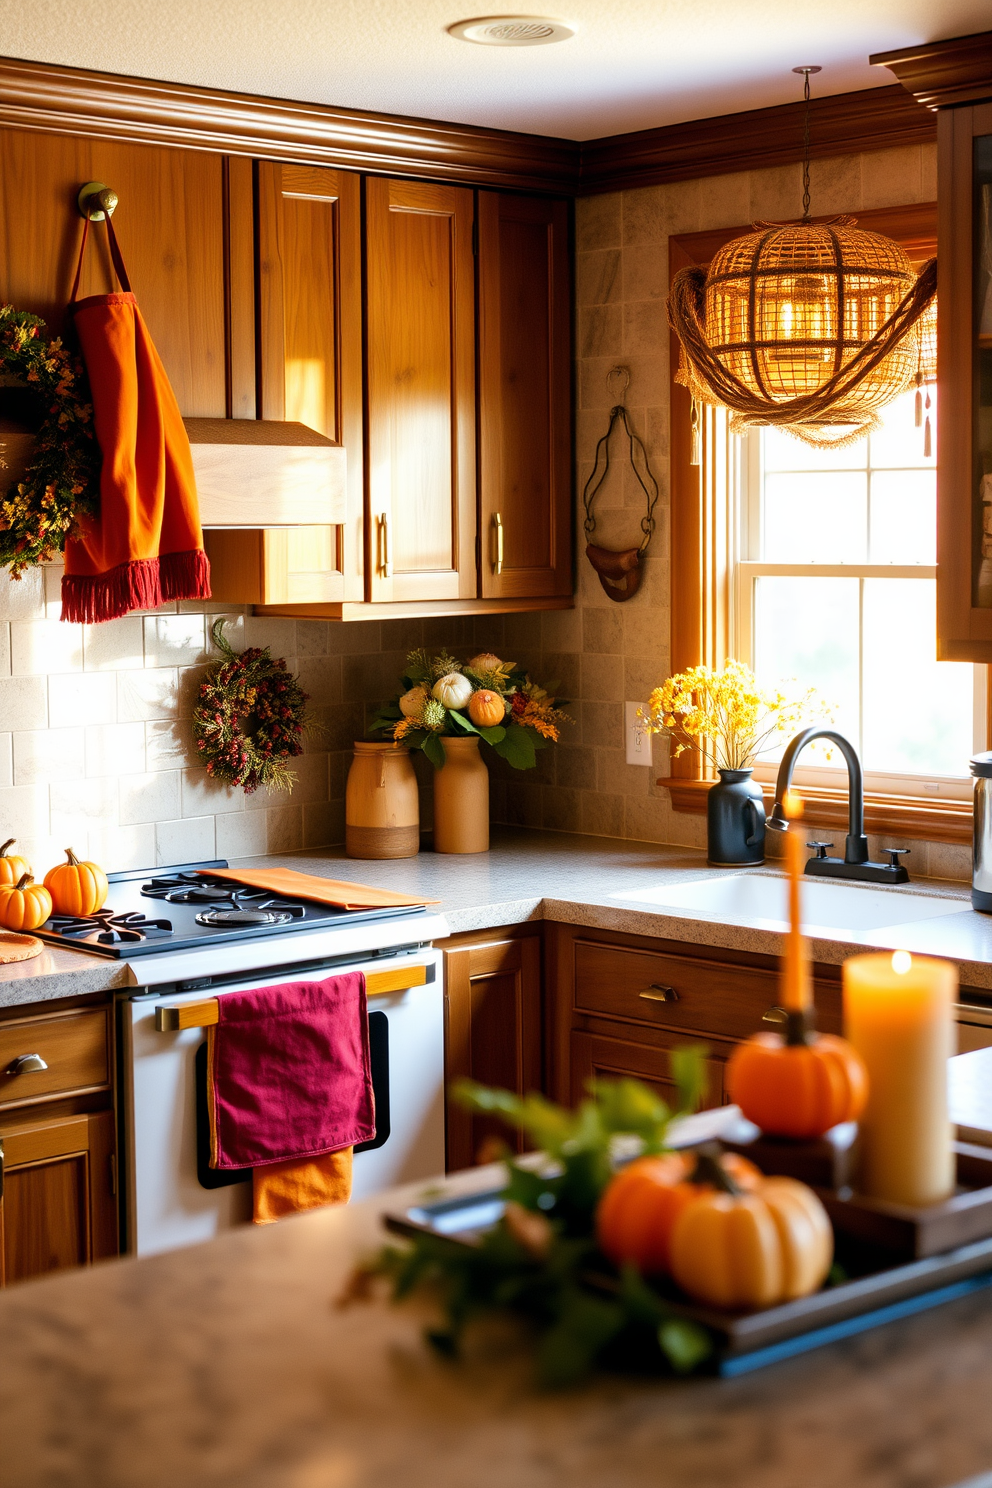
761 900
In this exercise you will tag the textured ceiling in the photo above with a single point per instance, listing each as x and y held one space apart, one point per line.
633 64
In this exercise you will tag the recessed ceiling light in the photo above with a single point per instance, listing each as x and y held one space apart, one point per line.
512 30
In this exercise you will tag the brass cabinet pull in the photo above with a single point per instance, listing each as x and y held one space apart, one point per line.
657 993
776 1016
25 1064
385 556
497 543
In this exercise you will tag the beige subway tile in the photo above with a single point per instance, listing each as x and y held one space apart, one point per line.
776 194
928 172
645 633
149 694
52 589
598 221
23 598
39 647
891 178
600 330
320 677
190 840
561 630
311 637
43 755
279 635
948 860
835 184
115 748
561 809
174 640
640 675
523 802
115 646
168 744
645 272
151 797
203 796
601 815
284 829
601 724
233 630
598 277
602 678
312 780
725 201
23 703
4 648
323 823
575 766
652 213
25 812
602 629
241 834
119 848
81 698
6 760
523 636
188 687
645 328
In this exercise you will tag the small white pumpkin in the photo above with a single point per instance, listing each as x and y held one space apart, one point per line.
453 690
485 662
412 702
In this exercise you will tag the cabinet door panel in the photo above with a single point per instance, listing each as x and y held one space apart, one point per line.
421 391
58 1208
524 397
493 1015
310 354
170 224
594 1056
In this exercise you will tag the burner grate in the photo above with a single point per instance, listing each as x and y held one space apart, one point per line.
111 929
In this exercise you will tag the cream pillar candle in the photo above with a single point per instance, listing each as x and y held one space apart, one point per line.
899 1015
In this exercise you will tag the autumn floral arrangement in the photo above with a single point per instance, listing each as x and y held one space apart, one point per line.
492 699
250 718
61 482
726 715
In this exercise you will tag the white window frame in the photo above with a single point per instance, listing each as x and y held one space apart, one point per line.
746 503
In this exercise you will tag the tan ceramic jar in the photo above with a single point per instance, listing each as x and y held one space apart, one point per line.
382 811
461 799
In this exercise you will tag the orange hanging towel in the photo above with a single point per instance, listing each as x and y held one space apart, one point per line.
146 545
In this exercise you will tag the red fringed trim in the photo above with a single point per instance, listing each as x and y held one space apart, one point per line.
142 585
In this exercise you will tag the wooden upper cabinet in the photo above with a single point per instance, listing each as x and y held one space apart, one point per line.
525 436
420 349
310 342
170 224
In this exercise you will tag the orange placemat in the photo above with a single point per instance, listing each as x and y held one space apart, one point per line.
331 891
15 947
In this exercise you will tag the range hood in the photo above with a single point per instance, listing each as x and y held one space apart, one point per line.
266 473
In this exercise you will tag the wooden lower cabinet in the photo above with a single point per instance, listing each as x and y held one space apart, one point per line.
601 1057
493 1028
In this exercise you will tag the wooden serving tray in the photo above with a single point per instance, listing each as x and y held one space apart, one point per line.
749 1340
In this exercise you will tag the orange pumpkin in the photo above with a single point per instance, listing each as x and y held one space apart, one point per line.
641 1205
24 905
14 868
76 888
486 709
797 1090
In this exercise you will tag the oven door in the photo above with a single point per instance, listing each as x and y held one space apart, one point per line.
167 1204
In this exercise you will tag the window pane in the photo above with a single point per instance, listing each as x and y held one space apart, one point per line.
903 516
781 451
899 442
816 518
807 630
917 710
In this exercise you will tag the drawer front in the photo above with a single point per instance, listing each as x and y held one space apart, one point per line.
74 1047
672 991
595 1057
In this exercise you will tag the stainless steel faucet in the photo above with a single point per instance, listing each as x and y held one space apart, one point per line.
855 862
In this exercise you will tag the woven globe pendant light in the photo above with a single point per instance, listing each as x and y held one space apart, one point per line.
802 325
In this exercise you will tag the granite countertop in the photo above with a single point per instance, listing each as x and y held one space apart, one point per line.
553 876
228 1365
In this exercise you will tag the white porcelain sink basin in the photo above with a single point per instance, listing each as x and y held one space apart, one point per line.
760 900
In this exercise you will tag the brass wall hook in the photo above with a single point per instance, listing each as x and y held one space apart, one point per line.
96 200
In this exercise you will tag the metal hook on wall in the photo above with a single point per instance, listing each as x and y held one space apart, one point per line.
621 374
96 201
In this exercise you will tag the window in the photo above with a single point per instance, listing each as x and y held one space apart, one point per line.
836 587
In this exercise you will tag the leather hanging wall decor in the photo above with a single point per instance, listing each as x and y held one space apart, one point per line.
619 571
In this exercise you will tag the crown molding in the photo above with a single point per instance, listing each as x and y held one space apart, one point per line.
69 100
98 105
844 124
940 74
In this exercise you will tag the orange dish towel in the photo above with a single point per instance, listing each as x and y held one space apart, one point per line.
336 892
146 546
308 1183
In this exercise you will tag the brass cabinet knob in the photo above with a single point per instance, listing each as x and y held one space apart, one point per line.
25 1064
658 993
777 1017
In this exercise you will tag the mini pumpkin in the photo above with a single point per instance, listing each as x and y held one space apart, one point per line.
453 690
486 709
412 702
77 888
12 868
485 662
754 1249
797 1090
640 1205
24 905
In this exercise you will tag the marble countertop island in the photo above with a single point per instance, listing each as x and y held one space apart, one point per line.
230 1365
530 875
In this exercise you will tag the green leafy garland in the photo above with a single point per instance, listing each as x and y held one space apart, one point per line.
250 718
541 1260
62 480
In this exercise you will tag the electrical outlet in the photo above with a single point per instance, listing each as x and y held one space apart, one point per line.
637 737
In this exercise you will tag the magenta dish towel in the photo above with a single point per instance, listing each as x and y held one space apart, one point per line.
289 1072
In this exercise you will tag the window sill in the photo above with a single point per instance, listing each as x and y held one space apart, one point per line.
915 817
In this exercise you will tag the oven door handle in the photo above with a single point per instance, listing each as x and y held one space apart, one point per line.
174 1018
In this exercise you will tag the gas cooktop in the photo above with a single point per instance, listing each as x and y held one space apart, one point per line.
183 907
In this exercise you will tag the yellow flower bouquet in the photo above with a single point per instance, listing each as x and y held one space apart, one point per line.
725 714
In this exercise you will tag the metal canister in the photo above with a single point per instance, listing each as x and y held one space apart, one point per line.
981 861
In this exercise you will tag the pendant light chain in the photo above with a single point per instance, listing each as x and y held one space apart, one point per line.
806 73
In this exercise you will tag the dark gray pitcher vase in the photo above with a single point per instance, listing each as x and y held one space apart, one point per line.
735 820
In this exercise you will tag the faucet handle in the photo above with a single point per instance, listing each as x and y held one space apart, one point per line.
821 848
895 853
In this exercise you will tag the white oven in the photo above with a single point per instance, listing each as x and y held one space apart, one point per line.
172 1198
